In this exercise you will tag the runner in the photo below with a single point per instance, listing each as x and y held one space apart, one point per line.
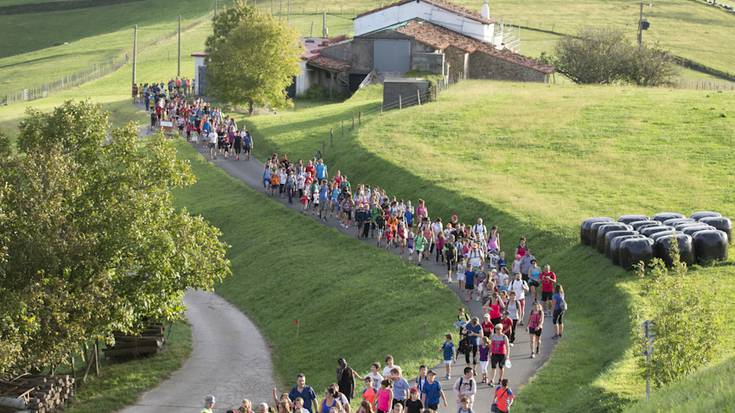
535 327
500 348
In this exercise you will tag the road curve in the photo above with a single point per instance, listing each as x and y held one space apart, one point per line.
230 359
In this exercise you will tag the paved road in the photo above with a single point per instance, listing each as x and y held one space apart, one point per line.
230 360
523 366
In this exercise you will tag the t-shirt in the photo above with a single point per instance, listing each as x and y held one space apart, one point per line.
321 171
432 391
387 369
469 279
559 298
474 328
414 406
518 287
448 350
547 281
307 394
507 325
369 395
400 389
377 379
503 397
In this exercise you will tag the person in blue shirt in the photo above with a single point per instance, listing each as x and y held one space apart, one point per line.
305 392
474 333
432 393
469 282
400 386
449 354
323 199
321 170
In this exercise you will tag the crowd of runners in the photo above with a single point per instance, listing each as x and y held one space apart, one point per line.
470 253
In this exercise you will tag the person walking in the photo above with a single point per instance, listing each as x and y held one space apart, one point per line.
535 327
385 396
534 279
559 304
346 379
433 393
466 386
548 279
519 287
209 402
474 334
503 398
306 393
448 353
400 386
500 349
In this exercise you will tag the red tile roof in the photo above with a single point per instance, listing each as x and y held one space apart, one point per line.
448 6
333 65
440 38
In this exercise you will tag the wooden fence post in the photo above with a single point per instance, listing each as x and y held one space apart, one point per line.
359 118
418 96
400 103
331 136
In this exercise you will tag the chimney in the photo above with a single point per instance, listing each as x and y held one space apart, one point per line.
485 10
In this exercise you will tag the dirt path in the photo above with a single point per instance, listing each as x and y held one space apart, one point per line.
523 366
230 359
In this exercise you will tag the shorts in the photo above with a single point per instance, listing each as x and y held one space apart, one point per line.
433 406
558 317
497 360
448 362
469 286
546 296
483 366
460 276
247 148
533 283
535 331
211 145
348 215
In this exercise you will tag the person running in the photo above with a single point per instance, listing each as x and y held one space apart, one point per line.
474 334
559 303
500 349
433 393
503 398
385 396
548 279
484 357
448 353
534 279
535 327
306 393
465 386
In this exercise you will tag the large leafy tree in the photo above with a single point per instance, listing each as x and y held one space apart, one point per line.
90 242
252 57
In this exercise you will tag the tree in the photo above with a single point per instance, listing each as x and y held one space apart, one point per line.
687 324
604 55
252 58
92 243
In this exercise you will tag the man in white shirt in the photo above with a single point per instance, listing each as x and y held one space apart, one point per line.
466 386
520 287
212 144
389 366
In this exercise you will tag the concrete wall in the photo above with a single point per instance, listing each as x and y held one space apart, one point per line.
428 62
455 59
340 51
483 66
362 55
437 15
406 89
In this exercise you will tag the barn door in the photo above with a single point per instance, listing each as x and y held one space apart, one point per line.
392 56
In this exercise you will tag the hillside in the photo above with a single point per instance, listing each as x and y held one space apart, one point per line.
497 150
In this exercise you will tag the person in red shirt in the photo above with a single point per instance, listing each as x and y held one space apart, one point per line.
522 249
503 398
548 280
508 330
311 169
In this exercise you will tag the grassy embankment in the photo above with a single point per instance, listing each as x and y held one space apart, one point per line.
536 160
352 301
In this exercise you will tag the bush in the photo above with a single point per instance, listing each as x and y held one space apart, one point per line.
604 55
686 325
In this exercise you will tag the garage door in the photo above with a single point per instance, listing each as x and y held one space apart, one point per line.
392 56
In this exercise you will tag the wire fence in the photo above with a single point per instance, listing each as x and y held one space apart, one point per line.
704 84
95 72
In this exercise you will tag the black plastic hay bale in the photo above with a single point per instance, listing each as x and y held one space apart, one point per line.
722 223
584 229
663 216
634 250
592 233
662 248
710 245
661 234
648 231
615 245
612 235
680 226
638 225
604 229
627 219
694 229
704 214
675 221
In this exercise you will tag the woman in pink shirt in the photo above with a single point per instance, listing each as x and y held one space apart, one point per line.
535 327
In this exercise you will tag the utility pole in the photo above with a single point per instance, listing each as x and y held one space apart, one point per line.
215 7
135 54
178 63
643 24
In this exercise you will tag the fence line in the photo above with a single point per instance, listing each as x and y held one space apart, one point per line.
95 72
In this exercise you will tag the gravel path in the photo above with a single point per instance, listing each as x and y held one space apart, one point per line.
230 359
523 366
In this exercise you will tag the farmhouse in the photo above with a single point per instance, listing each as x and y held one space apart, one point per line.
428 36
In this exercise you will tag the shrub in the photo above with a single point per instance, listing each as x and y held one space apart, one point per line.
686 325
604 55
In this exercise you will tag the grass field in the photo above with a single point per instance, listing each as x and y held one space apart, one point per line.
121 383
497 150
352 301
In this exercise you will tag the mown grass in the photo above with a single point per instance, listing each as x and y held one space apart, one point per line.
122 383
536 160
352 301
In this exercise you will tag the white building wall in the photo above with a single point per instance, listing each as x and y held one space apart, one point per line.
437 15
198 62
303 80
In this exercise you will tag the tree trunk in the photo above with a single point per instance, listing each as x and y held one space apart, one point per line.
250 107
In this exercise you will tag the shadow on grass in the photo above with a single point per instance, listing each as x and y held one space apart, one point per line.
599 321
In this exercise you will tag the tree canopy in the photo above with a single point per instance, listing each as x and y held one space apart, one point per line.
252 57
90 242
